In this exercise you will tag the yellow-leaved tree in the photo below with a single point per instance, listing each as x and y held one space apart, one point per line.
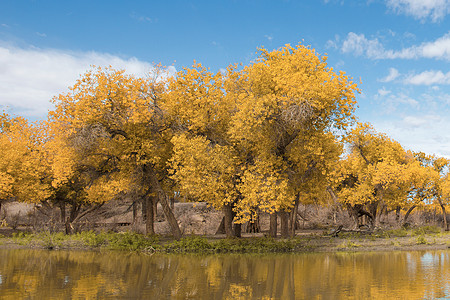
377 175
438 185
205 163
24 166
258 136
290 105
109 138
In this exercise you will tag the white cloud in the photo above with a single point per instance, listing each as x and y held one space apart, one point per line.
383 92
393 74
142 18
436 10
29 78
427 133
428 78
394 103
359 45
437 49
405 99
268 37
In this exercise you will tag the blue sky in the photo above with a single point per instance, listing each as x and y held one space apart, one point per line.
399 49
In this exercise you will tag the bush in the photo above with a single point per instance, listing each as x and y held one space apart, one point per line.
92 239
189 244
426 230
132 241
421 240
401 232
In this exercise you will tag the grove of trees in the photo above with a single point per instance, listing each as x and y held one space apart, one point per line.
263 137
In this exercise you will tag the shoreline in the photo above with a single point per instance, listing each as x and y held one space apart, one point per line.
388 240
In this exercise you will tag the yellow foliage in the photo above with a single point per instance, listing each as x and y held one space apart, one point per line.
257 137
24 168
106 131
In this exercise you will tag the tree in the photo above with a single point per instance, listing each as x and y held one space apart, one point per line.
439 189
205 163
257 133
110 136
24 167
376 175
290 105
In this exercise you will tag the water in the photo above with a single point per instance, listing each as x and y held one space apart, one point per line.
40 274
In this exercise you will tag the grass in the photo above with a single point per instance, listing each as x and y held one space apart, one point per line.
421 240
426 230
129 241
137 242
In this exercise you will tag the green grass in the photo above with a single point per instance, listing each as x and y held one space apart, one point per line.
426 230
129 241
421 240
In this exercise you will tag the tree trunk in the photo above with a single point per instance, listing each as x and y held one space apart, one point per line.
335 199
444 214
134 212
353 214
68 226
273 225
379 214
62 209
372 209
237 230
155 206
221 228
172 202
284 217
144 208
74 211
149 216
407 215
253 224
169 215
228 218
293 218
397 213
163 199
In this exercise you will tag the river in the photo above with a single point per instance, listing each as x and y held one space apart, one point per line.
41 274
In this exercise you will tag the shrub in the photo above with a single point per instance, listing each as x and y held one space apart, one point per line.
131 241
426 230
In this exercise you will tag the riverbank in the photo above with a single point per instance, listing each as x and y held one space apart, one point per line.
423 238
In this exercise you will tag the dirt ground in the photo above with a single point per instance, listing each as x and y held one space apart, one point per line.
200 219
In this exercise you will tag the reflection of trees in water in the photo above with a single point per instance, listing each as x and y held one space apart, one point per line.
87 275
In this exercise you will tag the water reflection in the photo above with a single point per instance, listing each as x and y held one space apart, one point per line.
91 275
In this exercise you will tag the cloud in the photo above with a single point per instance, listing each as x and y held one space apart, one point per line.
428 78
393 74
427 133
436 10
29 78
383 92
359 45
141 18
268 37
394 103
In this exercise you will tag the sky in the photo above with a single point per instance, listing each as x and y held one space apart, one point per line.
397 50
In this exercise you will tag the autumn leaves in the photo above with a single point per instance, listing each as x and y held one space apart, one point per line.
257 138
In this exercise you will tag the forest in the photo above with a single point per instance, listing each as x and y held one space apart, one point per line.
258 138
